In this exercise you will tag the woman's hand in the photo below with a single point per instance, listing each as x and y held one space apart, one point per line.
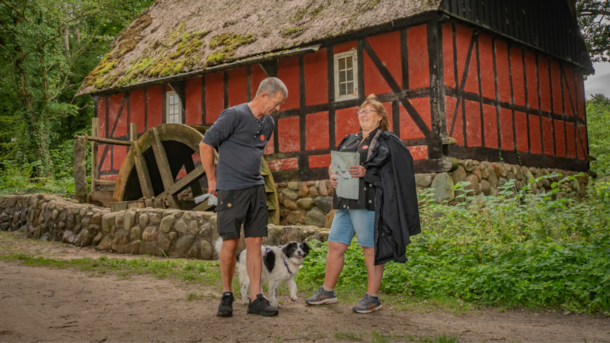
333 181
357 171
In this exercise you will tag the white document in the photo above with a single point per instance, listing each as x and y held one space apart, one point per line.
212 200
348 187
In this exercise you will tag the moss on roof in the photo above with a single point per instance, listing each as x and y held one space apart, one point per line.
173 37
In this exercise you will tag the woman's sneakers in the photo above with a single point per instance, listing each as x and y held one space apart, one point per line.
225 309
261 306
368 304
322 297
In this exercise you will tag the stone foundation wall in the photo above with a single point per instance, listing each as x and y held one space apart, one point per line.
310 203
173 233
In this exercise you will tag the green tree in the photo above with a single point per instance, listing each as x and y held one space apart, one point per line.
598 124
593 19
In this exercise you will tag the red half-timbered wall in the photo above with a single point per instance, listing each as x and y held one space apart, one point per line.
502 99
496 99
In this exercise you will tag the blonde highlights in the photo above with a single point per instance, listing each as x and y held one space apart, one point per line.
371 100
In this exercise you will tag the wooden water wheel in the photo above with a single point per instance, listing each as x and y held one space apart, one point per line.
151 168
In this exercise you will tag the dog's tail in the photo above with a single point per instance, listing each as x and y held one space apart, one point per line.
218 246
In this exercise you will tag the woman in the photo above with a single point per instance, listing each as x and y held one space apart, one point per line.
385 214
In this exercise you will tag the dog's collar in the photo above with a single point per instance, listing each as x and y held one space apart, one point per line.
286 264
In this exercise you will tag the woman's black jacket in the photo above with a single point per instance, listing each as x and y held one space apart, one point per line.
390 169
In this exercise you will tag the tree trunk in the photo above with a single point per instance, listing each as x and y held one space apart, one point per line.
65 38
77 33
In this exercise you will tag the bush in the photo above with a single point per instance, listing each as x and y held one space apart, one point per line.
515 250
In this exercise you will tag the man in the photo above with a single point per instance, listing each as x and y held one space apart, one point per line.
241 134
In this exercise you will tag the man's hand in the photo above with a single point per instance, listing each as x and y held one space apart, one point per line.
207 160
211 186
357 171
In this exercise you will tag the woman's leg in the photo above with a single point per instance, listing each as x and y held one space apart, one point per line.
334 263
375 273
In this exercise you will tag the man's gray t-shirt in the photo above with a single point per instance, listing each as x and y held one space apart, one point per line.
241 139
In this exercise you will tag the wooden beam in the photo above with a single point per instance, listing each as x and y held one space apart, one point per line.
189 165
184 182
107 140
133 132
163 166
95 173
142 170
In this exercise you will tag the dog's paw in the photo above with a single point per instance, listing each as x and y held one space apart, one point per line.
294 298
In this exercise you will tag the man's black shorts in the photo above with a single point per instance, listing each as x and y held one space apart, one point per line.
242 206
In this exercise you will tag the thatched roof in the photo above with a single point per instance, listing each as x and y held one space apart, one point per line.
174 37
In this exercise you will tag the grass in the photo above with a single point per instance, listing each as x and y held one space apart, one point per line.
377 337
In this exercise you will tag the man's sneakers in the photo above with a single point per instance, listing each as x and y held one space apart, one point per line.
261 306
322 297
226 305
368 304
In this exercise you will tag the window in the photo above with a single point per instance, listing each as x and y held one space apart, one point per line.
346 76
174 108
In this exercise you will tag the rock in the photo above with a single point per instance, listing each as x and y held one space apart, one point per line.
325 203
154 219
129 220
136 233
311 183
206 230
143 220
83 239
485 187
121 238
96 219
284 212
193 228
323 188
499 169
474 183
107 222
485 167
316 218
290 234
85 221
423 180
290 194
296 217
280 198
182 245
150 248
167 223
97 239
313 192
528 178
54 214
291 205
61 225
306 203
173 236
330 189
105 244
518 173
206 252
68 237
303 190
119 218
501 181
477 171
180 226
163 242
329 219
459 175
150 234
293 186
443 187
468 165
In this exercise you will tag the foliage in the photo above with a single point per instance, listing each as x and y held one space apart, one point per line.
598 126
595 27
516 249
46 49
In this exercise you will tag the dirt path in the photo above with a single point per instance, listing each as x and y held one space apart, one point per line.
39 304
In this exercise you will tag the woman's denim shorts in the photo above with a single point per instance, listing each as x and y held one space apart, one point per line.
348 223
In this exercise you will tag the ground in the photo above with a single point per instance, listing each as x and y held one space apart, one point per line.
67 305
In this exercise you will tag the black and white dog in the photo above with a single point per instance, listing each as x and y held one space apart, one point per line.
280 263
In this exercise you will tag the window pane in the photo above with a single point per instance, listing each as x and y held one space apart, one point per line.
342 89
341 63
350 88
349 62
342 76
350 75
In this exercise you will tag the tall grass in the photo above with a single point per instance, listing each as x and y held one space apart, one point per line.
518 249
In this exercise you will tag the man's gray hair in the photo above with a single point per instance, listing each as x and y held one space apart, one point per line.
271 86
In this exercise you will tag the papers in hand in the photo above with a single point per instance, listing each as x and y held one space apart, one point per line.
212 200
348 187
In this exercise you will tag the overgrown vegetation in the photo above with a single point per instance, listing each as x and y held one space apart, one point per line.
514 250
598 125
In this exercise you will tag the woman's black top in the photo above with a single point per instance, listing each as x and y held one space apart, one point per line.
366 197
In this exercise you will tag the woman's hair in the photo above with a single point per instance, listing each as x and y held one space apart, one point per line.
371 100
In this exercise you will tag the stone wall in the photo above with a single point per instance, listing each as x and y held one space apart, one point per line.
310 203
173 233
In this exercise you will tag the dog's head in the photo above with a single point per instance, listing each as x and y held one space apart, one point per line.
296 251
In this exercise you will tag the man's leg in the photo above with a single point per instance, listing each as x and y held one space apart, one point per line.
227 263
254 263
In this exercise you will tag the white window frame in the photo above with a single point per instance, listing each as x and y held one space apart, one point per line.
353 54
171 107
